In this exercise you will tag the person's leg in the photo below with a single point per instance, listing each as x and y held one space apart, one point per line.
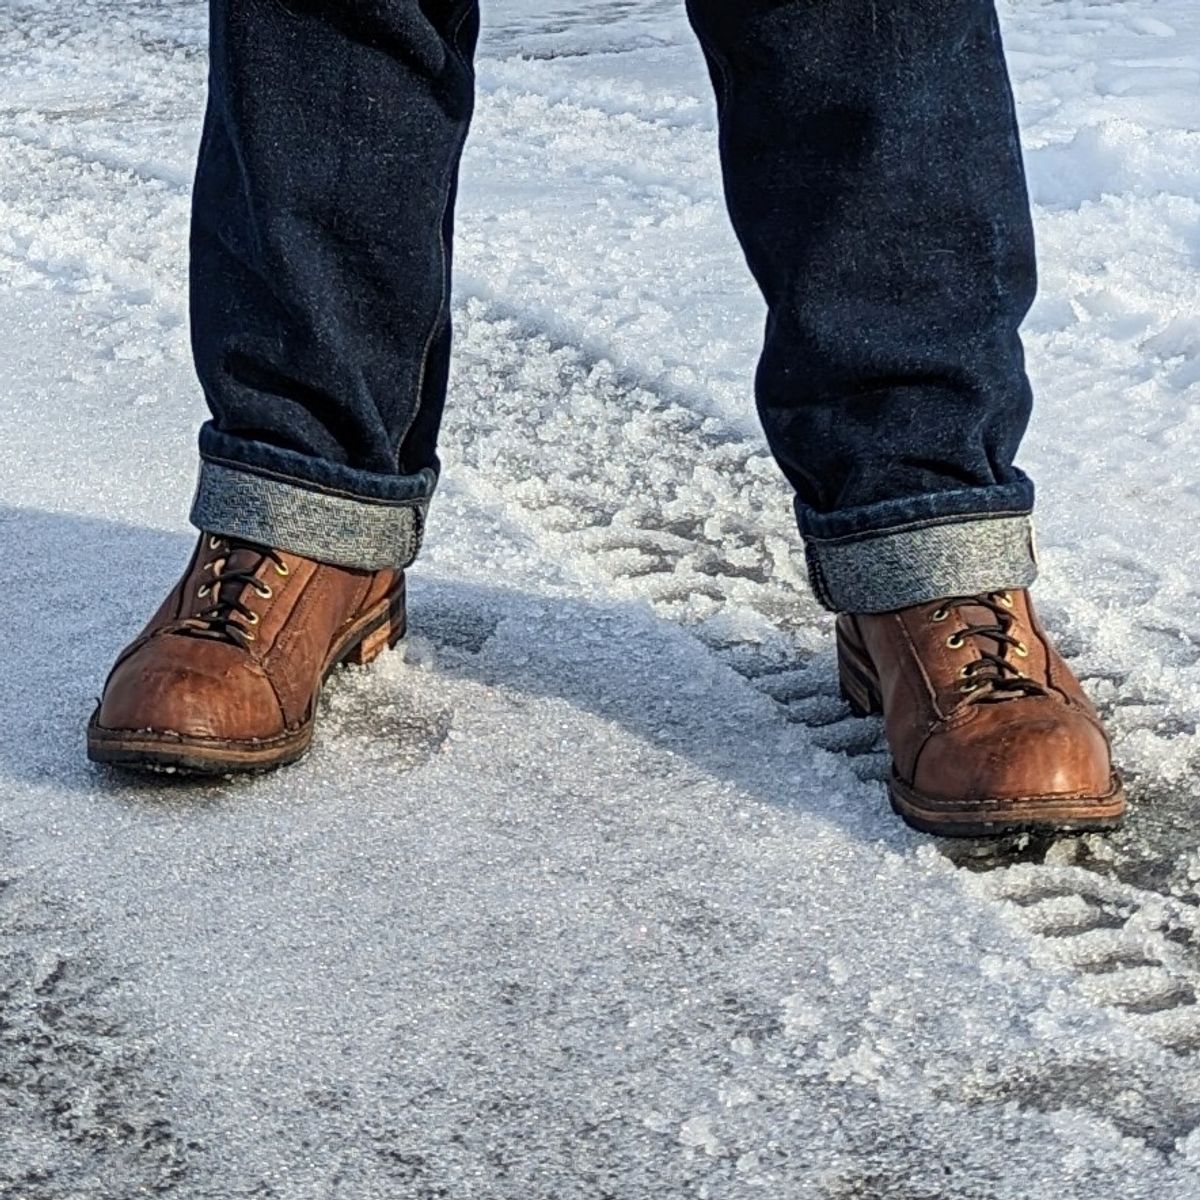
321 268
873 169
874 177
320 320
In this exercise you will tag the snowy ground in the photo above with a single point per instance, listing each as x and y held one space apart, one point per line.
593 892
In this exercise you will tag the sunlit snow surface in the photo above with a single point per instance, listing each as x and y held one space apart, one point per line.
593 892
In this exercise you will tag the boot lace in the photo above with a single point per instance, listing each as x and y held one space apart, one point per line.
228 618
994 675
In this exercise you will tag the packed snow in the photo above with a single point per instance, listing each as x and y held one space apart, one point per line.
592 890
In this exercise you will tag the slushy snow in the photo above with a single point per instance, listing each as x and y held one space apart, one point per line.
592 891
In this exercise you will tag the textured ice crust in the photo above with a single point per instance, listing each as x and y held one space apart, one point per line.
591 892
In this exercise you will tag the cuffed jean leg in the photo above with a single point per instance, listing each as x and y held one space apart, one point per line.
320 282
874 177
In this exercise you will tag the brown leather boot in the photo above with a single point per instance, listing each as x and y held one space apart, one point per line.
989 730
227 674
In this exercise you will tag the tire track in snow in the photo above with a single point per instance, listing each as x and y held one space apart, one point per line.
1132 951
653 501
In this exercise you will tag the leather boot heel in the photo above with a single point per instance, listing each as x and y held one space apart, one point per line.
381 639
378 640
859 688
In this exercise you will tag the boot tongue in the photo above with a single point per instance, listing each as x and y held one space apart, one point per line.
239 558
980 615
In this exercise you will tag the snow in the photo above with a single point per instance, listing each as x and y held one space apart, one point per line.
593 890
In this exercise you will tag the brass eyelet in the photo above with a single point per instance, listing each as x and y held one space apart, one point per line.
1021 650
214 543
264 591
202 591
1005 598
282 569
939 615
968 688
252 619
248 635
967 671
954 641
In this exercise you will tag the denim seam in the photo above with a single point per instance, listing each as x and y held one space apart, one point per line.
443 249
726 76
908 526
308 485
816 578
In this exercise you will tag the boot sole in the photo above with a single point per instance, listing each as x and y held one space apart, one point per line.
165 752
973 819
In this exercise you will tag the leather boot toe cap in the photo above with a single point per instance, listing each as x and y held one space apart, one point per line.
165 688
1021 749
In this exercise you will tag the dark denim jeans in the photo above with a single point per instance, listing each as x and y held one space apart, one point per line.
873 171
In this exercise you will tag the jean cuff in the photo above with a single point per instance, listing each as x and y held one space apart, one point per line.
897 554
316 509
